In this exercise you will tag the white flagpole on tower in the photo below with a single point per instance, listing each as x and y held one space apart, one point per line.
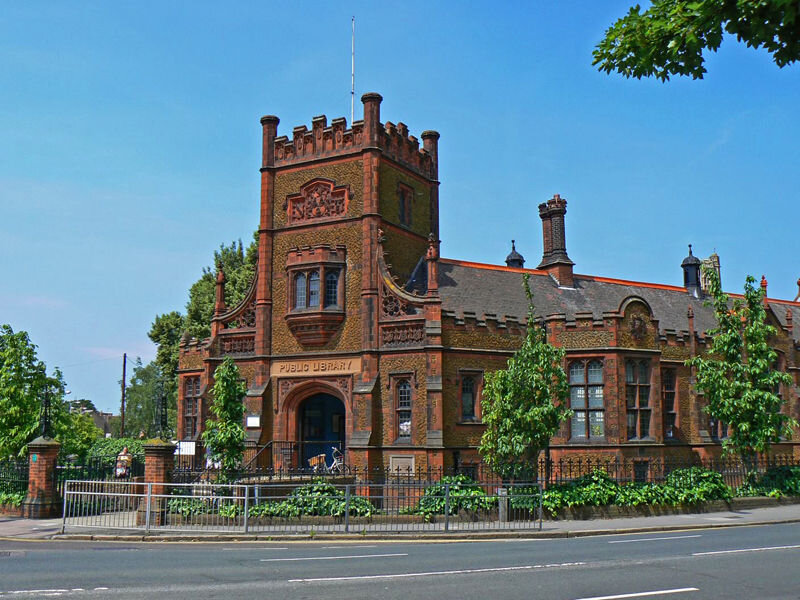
352 71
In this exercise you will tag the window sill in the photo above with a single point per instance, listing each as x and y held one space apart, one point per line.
470 422
587 442
644 440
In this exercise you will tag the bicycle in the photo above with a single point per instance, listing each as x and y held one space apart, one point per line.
318 464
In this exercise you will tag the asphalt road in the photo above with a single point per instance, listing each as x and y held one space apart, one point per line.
758 562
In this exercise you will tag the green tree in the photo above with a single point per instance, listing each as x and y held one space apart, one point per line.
670 36
524 404
141 399
81 405
77 434
224 434
23 384
739 376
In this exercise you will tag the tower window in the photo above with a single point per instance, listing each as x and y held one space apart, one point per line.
331 288
309 287
405 196
300 290
313 289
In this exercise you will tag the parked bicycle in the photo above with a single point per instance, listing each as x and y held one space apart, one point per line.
318 464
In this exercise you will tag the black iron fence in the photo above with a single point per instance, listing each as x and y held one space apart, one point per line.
97 468
281 459
553 472
13 476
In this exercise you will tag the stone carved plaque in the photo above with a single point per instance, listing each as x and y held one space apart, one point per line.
315 366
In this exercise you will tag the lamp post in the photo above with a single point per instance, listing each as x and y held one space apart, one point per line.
160 416
44 419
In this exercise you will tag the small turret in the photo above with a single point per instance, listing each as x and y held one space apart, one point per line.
691 274
515 259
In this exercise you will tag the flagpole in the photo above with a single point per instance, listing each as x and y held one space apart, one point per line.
352 71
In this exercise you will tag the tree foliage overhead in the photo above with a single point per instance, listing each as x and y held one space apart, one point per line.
739 376
224 434
670 36
524 404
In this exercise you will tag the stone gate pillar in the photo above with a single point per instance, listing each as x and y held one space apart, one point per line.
159 460
42 501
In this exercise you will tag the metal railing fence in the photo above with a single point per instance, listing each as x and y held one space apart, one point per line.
97 468
319 506
13 476
559 471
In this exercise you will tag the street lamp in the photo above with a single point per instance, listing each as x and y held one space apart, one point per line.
160 416
44 420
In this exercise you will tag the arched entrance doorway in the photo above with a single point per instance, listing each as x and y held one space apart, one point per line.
321 425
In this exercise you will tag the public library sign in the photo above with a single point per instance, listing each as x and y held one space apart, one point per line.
315 366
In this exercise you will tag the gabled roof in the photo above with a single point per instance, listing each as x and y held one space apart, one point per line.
493 289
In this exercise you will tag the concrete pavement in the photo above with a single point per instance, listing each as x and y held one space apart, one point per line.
31 529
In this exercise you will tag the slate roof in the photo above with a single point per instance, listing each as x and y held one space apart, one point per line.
492 289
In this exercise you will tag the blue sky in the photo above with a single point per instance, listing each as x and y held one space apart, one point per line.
131 147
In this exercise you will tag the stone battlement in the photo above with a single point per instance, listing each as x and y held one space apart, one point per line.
336 139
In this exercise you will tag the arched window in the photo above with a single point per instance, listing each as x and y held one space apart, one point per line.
468 398
403 403
313 289
331 288
586 400
300 290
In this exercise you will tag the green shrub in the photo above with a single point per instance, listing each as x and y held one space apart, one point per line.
783 479
696 484
317 498
465 494
12 498
106 450
776 482
682 486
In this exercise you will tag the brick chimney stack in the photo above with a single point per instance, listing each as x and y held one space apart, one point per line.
554 258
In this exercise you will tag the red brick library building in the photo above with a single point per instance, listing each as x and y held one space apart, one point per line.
356 333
